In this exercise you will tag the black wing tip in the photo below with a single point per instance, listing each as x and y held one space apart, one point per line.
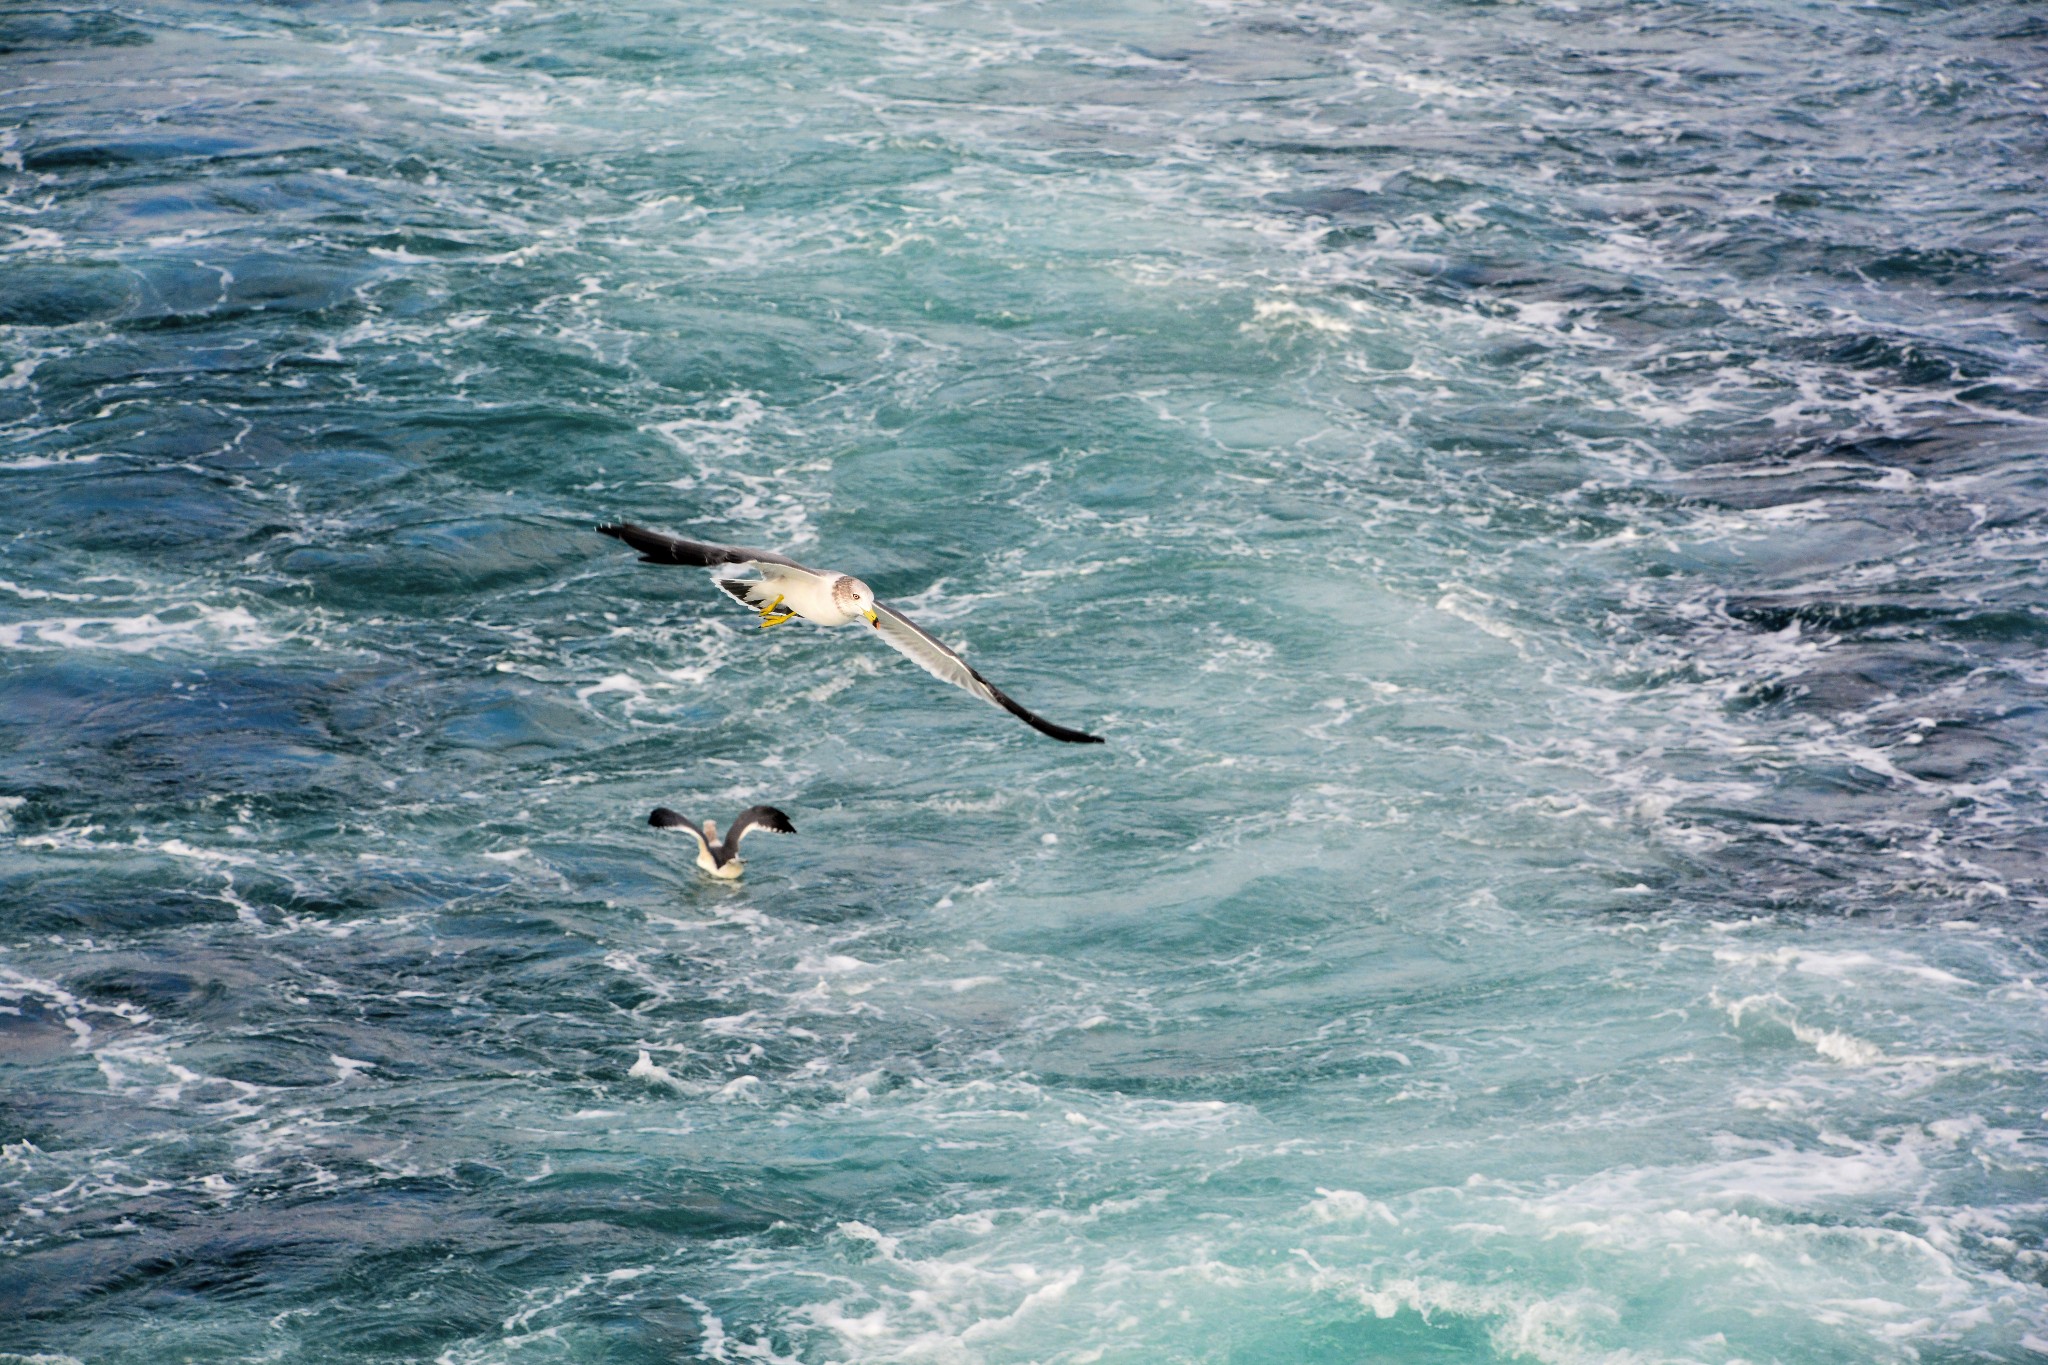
664 818
1046 727
1034 720
648 543
768 818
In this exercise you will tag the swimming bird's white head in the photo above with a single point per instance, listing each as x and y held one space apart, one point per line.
855 598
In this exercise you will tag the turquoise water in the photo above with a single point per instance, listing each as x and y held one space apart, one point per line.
1545 502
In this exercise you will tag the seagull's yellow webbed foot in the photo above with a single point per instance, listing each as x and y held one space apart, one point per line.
769 617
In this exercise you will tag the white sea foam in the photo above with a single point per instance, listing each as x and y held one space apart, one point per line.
645 1069
1841 965
29 238
184 627
1349 1206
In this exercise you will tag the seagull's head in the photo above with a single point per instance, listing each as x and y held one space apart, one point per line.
855 598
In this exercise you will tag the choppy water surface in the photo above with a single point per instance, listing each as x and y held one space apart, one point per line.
1546 502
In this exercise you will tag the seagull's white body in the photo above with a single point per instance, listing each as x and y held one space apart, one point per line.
725 871
825 599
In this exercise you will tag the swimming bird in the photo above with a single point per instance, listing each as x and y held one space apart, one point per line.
721 857
784 590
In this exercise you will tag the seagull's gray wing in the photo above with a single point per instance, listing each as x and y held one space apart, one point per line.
901 635
656 548
753 818
664 818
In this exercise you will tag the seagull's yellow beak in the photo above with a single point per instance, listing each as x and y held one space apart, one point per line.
873 619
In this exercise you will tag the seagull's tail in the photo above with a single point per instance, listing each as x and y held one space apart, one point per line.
742 588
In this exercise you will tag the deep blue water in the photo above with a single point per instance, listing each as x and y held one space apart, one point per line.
1546 503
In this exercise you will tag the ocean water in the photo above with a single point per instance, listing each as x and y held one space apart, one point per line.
1546 503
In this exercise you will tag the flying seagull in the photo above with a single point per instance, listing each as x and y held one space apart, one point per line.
721 858
785 590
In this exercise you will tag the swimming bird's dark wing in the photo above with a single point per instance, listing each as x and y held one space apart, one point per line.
664 818
753 818
901 635
656 548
